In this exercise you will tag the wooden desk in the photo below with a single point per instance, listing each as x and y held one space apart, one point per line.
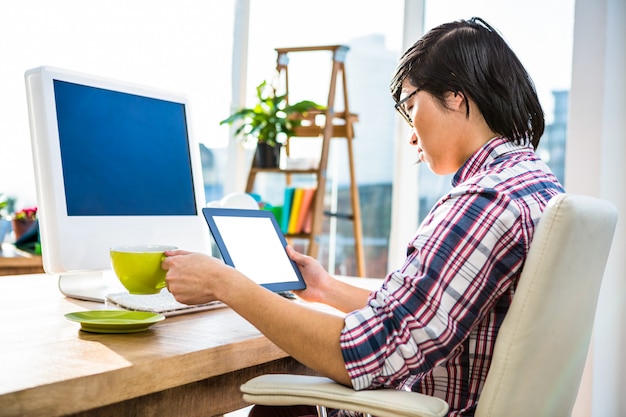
189 365
15 262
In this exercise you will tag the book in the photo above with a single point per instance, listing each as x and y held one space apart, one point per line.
284 220
295 211
305 210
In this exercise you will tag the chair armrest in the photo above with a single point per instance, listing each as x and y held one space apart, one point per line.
277 389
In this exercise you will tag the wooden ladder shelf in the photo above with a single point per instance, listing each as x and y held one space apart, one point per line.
333 124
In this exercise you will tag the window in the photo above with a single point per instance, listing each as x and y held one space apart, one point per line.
374 39
546 52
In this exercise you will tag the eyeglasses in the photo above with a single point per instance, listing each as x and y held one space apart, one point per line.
401 108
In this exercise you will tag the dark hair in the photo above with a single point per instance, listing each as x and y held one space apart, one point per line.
470 57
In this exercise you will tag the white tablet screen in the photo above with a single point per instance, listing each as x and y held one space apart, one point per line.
251 241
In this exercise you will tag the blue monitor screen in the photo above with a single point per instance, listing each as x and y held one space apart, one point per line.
123 154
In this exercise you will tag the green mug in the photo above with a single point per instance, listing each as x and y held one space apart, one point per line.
138 267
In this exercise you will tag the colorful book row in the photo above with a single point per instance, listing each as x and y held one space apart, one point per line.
297 214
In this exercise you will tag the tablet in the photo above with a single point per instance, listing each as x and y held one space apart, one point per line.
251 241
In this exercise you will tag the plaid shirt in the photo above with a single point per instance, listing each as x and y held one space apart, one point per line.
432 325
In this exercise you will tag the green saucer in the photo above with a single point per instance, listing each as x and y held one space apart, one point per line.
114 321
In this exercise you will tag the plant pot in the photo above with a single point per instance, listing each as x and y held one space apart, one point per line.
267 156
21 226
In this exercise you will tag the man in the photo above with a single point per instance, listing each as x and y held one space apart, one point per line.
432 325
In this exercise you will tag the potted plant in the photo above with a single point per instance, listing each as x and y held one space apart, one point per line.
23 220
271 121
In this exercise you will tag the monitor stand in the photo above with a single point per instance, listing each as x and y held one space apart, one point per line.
89 286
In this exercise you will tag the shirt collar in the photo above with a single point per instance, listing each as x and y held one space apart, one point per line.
493 149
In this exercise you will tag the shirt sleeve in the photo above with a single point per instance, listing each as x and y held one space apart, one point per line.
464 256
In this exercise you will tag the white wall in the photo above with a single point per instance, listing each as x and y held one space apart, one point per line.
595 166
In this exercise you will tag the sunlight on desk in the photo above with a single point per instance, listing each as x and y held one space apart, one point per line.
70 359
188 365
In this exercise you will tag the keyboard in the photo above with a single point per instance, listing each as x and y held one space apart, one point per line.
161 303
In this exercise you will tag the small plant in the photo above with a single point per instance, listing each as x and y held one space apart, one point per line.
23 221
26 214
271 120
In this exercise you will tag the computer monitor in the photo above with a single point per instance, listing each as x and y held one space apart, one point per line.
115 164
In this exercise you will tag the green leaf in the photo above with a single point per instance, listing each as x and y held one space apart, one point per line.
269 118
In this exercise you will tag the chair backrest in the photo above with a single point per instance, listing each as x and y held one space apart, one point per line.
542 345
237 200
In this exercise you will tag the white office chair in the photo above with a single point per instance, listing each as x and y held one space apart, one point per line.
542 345
238 200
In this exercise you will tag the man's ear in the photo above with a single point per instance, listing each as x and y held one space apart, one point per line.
455 100
459 98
